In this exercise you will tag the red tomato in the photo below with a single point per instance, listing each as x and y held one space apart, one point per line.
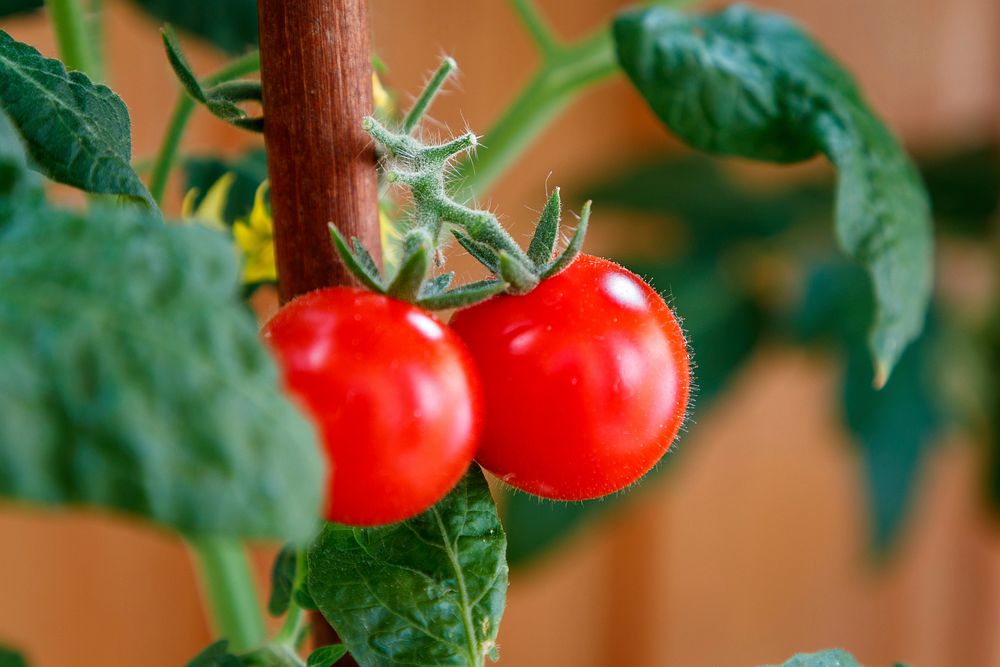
393 392
586 380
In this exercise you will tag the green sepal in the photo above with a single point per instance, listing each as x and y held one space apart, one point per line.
357 267
219 100
325 656
413 269
543 243
482 253
365 258
437 285
572 248
464 296
522 279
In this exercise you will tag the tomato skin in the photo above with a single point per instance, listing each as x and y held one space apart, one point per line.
586 381
393 393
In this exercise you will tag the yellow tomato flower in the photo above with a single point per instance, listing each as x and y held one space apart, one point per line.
255 238
210 211
383 101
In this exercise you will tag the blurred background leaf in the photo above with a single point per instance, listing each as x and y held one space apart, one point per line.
12 7
230 25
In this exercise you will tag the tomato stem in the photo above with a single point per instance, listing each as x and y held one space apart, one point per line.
71 32
231 593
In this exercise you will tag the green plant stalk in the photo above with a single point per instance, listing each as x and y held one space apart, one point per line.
95 28
536 26
185 106
563 75
72 35
230 591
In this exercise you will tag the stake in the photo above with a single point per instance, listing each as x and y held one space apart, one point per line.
316 76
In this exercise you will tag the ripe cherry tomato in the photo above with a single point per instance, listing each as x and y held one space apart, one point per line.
393 392
586 380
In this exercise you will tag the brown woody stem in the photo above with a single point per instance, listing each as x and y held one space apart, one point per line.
316 75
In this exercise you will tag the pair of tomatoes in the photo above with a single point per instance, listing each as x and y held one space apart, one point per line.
572 391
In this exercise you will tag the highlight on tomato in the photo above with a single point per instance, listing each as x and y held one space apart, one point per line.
393 393
586 381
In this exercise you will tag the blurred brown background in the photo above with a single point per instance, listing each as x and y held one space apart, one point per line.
754 546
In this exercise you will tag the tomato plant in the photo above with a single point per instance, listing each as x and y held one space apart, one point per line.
399 431
587 381
134 378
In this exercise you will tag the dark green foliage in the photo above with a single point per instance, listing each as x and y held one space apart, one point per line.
13 7
965 189
134 379
282 580
10 658
752 84
76 132
230 25
427 591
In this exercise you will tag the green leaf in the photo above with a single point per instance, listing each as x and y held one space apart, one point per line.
220 100
304 599
9 658
427 591
134 379
216 655
230 25
831 658
77 132
282 580
325 656
752 84
14 7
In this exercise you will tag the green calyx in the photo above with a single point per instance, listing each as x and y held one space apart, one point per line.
422 168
